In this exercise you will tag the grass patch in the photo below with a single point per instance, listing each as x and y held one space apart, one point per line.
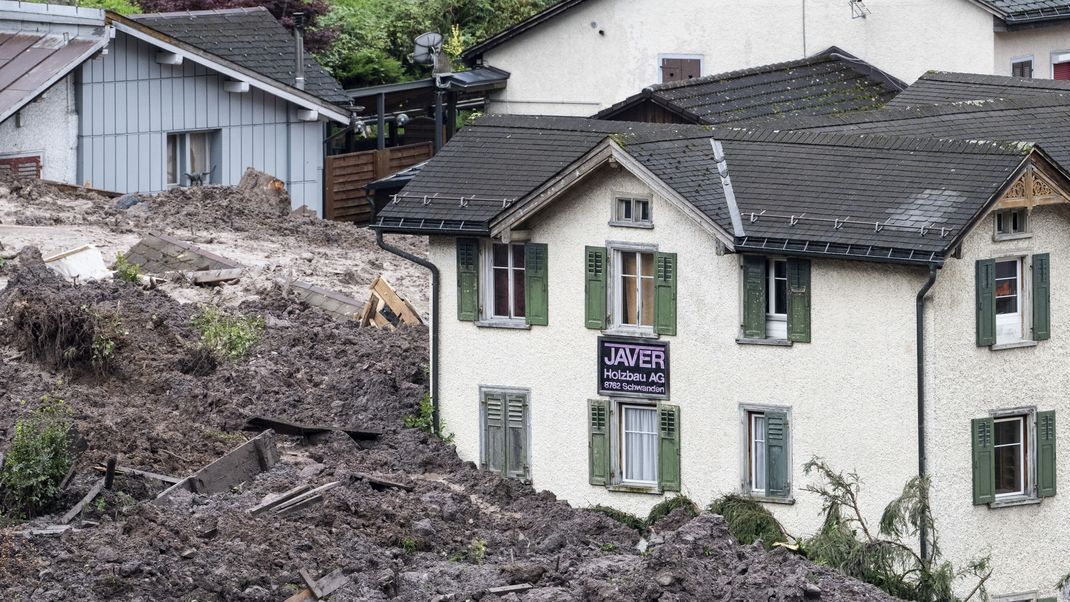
229 337
38 458
664 507
748 521
624 518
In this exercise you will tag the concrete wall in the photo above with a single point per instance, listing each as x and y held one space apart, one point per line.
49 130
1028 543
1038 43
565 66
860 364
130 103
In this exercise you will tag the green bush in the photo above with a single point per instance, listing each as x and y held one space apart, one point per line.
126 271
227 336
664 507
425 420
624 518
38 458
748 521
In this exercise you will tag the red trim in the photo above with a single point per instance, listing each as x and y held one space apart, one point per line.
28 166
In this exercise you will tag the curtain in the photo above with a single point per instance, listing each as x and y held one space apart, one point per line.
640 444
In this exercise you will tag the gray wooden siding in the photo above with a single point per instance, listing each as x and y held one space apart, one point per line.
130 103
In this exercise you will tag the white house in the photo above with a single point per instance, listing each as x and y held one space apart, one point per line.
630 310
581 56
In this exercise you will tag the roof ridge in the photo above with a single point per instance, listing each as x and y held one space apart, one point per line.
877 141
200 13
985 79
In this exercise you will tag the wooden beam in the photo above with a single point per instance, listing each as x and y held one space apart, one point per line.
142 473
400 308
77 509
278 500
380 483
259 423
237 466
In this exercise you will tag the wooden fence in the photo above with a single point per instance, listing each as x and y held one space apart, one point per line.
348 174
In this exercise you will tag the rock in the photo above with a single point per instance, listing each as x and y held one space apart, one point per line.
188 553
130 567
522 572
424 528
311 470
107 554
552 543
665 579
255 592
811 591
126 201
642 546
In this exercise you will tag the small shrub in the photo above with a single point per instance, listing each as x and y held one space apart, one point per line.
664 507
108 333
624 518
425 420
408 544
126 271
38 458
608 547
748 521
227 336
477 550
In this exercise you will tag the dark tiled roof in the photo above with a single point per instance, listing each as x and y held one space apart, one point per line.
250 37
509 33
830 82
940 87
30 62
875 196
1025 11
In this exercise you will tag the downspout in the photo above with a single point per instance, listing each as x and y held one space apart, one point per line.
434 312
923 532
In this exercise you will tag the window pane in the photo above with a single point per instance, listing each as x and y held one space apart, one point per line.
642 210
624 209
501 255
627 264
758 453
172 159
647 319
518 256
640 445
780 297
1007 269
629 302
1008 469
647 264
1008 432
198 153
518 294
501 292
780 269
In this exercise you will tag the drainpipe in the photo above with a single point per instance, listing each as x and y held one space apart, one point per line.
920 333
434 312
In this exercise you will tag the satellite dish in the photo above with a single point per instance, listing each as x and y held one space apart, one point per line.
427 46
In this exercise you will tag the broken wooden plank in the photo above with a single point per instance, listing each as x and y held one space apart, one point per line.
310 581
304 503
142 473
239 465
306 496
49 530
274 501
398 305
214 276
507 589
77 509
379 483
321 588
256 423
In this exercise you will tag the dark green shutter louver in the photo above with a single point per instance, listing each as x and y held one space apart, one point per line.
494 432
598 446
799 300
986 302
665 293
1041 297
1046 454
669 448
777 467
984 461
753 297
595 287
467 279
536 298
516 440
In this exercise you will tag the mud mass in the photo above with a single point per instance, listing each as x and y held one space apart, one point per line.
458 533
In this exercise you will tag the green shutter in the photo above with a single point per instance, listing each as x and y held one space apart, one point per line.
493 432
516 437
798 300
665 293
536 299
1041 297
984 461
598 416
596 287
753 297
669 448
467 279
1047 600
777 467
1046 454
986 302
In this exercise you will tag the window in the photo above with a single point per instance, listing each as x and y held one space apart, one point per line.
776 300
634 290
504 442
766 458
630 287
1022 68
173 165
629 211
634 446
1013 301
1014 456
190 158
505 290
1061 71
1010 222
675 68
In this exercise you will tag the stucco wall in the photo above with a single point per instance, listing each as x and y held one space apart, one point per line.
1037 43
851 391
130 103
1028 544
49 129
565 66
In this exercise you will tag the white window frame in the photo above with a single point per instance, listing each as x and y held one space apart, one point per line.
1028 415
1002 215
616 297
619 449
183 156
488 315
747 411
616 219
752 449
675 55
776 324
483 390
1057 57
1024 59
1011 327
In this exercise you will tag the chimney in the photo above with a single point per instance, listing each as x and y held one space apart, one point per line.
299 39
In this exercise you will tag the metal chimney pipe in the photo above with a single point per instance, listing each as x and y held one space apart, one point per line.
299 39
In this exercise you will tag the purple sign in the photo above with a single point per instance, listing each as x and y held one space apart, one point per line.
634 369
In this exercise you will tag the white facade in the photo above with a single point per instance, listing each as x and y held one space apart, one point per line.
851 391
604 51
1043 46
46 128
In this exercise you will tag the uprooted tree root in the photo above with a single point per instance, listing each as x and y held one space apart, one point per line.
66 337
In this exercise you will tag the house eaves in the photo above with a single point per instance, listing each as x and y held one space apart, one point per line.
230 69
473 54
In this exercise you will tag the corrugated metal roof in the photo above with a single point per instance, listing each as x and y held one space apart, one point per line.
31 62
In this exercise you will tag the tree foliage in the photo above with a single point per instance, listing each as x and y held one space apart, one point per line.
749 521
